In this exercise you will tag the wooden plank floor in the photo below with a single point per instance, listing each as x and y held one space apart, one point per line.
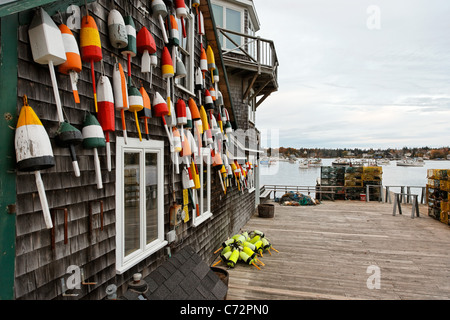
325 250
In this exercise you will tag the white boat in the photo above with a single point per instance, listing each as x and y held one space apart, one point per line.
341 162
303 164
416 162
315 162
383 162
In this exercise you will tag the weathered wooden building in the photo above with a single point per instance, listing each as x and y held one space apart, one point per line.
102 235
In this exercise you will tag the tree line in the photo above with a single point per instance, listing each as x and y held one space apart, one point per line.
423 152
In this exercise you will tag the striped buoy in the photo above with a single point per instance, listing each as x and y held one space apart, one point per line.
198 76
47 47
91 48
146 112
136 103
181 13
94 138
166 64
117 30
131 49
73 65
181 112
34 151
120 95
174 33
203 61
160 109
160 12
69 136
209 104
146 46
106 116
188 118
176 139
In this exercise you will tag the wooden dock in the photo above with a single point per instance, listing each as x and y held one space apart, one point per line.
325 252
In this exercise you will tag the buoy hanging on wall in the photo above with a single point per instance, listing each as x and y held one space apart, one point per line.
146 46
136 103
105 115
160 12
181 13
120 95
47 47
117 30
94 138
34 152
91 48
73 65
146 112
131 49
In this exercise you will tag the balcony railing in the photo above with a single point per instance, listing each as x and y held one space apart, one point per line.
252 50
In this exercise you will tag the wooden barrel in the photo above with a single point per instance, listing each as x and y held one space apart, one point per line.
223 275
266 210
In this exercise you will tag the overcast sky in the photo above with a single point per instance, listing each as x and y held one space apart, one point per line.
358 73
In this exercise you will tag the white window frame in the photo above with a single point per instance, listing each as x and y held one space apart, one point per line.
123 263
224 6
190 36
206 162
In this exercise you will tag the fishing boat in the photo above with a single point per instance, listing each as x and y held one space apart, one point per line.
303 164
316 162
416 162
383 162
339 162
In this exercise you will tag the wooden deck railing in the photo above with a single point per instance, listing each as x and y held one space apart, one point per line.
258 50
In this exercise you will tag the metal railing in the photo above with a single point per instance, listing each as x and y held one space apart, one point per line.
331 190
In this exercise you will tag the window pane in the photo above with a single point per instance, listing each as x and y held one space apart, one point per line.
233 24
218 18
151 196
132 200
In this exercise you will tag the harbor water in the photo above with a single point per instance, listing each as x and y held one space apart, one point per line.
286 173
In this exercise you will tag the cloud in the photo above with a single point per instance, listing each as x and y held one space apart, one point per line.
344 85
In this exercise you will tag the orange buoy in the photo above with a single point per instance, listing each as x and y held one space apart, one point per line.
73 65
91 48
146 112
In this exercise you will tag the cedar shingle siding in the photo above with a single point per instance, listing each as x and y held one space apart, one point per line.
39 268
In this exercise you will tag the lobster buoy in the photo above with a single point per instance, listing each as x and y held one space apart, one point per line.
146 46
146 112
181 13
91 48
69 136
136 103
73 65
106 116
160 12
160 109
209 104
117 30
34 152
120 95
211 61
47 47
94 138
131 50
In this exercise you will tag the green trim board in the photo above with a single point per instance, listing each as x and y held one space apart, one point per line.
8 110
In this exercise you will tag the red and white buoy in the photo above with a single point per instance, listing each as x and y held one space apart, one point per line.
160 109
181 13
105 114
146 46
34 152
